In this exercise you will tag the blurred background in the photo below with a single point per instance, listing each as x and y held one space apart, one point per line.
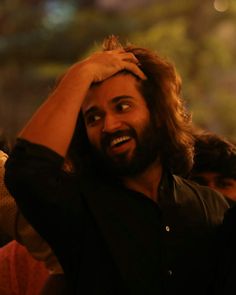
39 39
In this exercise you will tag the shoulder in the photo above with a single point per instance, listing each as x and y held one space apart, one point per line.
198 189
212 202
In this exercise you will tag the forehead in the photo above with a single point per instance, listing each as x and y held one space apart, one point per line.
120 85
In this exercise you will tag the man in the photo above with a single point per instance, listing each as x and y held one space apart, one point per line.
120 222
215 163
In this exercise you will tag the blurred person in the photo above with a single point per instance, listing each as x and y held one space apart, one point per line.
215 166
20 274
28 264
122 222
215 163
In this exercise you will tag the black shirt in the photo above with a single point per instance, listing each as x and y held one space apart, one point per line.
111 240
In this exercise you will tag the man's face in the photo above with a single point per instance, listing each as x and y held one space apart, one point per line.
224 185
118 125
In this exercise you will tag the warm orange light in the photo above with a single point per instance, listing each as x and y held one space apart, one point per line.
221 5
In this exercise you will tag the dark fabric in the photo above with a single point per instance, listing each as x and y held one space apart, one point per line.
226 261
111 240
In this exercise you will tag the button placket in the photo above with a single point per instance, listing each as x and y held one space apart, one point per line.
170 272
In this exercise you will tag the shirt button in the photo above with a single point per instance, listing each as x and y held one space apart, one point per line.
170 272
167 228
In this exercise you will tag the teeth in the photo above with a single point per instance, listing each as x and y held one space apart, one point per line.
119 140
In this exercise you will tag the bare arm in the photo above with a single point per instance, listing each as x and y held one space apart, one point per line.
54 122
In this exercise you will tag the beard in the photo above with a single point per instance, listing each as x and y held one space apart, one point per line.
147 150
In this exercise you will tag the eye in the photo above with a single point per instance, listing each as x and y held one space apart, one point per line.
92 119
123 106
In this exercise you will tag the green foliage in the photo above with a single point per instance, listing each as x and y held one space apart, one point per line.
199 40
169 40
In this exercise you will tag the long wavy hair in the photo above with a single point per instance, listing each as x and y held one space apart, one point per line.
161 91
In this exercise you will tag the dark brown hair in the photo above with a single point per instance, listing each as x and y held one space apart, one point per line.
214 153
162 94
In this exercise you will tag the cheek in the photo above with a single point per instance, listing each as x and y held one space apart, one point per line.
93 137
142 123
139 119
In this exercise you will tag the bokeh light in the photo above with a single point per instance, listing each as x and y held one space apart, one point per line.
221 5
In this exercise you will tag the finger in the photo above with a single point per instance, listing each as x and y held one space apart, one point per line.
115 51
128 56
133 68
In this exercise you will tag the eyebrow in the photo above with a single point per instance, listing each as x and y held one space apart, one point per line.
120 97
115 100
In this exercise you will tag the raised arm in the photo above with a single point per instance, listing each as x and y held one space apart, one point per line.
54 122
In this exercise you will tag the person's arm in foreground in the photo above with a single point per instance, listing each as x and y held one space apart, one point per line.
53 124
13 223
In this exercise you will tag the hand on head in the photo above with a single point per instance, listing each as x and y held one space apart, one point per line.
102 65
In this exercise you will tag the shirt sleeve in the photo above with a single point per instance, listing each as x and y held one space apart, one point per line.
45 193
14 225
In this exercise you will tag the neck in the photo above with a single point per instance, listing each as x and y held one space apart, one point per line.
146 182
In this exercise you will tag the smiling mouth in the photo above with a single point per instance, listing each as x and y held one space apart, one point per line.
119 141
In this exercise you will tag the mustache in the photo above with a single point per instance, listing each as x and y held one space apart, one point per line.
107 138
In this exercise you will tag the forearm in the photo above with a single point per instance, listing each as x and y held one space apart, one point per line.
54 122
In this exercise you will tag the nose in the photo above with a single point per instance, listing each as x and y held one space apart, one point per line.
111 123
